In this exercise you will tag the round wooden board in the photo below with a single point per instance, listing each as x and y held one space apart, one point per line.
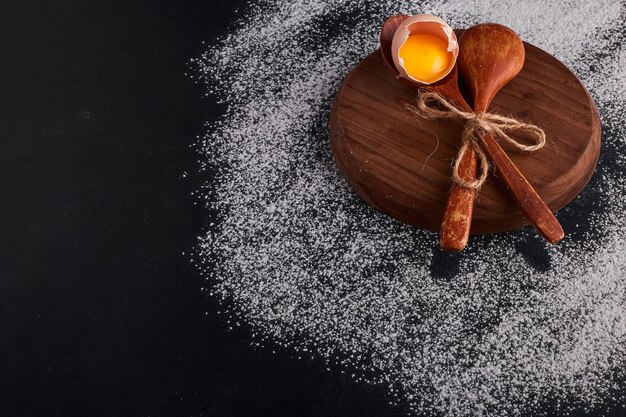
401 164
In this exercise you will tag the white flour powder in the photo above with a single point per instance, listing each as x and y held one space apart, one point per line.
301 259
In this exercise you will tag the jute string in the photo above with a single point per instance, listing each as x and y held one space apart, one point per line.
476 123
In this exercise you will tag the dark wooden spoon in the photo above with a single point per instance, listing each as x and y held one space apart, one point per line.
487 69
462 198
490 56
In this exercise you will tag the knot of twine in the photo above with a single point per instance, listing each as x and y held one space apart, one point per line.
475 123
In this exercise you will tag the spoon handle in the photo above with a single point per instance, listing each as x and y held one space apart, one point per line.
457 219
523 193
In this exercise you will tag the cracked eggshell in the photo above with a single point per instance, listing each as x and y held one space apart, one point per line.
427 24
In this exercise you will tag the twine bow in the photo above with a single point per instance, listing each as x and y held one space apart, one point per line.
499 126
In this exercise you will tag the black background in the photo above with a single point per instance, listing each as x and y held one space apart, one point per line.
101 313
101 310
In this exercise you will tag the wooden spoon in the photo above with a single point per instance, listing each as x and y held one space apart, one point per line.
490 56
463 199
487 69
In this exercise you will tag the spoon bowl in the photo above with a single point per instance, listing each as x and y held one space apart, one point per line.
492 55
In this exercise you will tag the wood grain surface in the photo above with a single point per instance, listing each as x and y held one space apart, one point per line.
401 164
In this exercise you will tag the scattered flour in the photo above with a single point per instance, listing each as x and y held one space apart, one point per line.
298 257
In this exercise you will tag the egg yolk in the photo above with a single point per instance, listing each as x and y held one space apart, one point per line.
425 57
